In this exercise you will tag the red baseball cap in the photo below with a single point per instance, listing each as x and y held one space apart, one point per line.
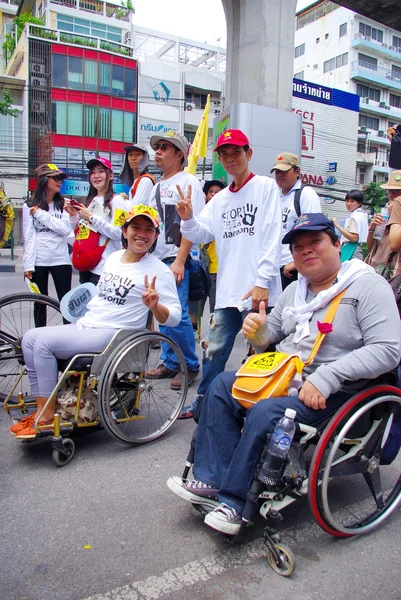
103 161
232 136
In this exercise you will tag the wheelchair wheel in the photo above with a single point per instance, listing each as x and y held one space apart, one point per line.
134 408
350 492
18 313
59 458
286 563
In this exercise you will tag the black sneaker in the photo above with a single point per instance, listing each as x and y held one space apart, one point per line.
196 492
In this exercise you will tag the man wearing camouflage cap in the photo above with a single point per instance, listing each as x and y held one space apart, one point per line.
295 200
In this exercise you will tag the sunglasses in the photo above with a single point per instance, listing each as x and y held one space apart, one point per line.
163 147
57 177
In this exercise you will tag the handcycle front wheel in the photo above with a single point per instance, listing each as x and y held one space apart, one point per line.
18 313
285 564
133 407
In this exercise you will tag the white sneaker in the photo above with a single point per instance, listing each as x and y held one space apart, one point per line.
225 519
194 491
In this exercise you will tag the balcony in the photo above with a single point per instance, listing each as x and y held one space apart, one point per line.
98 7
370 73
381 109
365 158
361 42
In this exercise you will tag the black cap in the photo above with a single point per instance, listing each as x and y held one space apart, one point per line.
208 185
309 222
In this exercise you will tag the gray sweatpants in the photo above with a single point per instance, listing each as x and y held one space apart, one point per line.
44 345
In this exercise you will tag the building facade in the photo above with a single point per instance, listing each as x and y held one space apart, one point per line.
339 48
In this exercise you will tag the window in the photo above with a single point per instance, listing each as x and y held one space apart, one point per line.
90 76
117 82
299 75
395 101
130 83
396 72
129 127
299 50
372 32
368 122
104 78
104 123
343 30
11 133
75 73
326 36
90 121
335 63
309 16
365 91
362 172
59 70
74 118
196 96
317 40
368 62
190 135
91 28
117 125
59 117
396 41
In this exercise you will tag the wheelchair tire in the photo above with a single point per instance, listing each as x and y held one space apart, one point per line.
16 317
60 459
286 564
134 408
350 492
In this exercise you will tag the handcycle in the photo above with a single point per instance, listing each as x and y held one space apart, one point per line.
127 404
342 465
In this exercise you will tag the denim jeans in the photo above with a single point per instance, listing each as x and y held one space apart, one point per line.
183 333
228 446
225 325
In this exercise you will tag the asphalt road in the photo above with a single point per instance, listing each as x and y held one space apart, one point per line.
107 527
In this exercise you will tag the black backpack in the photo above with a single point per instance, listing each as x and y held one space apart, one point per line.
297 200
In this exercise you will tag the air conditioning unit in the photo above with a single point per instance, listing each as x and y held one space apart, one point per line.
385 45
387 107
38 82
366 100
38 68
393 48
399 49
382 104
384 163
368 38
389 76
39 106
363 128
381 133
189 106
377 163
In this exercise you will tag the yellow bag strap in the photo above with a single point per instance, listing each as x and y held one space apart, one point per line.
328 318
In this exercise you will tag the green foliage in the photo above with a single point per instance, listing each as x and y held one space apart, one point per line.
374 195
5 105
11 38
81 41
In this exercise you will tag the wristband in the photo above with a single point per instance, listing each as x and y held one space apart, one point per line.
371 230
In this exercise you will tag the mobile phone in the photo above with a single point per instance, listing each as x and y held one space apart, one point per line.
75 203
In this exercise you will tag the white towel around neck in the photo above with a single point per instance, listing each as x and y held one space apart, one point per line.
301 313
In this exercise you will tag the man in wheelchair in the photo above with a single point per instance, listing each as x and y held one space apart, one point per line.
132 283
364 343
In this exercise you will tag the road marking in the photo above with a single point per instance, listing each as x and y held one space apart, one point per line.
156 587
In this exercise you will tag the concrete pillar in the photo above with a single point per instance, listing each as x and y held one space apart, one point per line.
260 52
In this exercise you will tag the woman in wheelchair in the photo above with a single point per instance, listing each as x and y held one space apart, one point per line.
365 341
132 283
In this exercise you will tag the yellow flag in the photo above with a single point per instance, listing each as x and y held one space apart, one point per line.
199 145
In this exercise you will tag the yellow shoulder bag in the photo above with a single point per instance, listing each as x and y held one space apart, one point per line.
270 374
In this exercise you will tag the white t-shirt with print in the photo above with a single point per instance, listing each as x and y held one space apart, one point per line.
119 304
45 238
246 225
168 199
309 202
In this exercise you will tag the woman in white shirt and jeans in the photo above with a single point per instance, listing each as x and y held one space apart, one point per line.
132 283
46 226
104 213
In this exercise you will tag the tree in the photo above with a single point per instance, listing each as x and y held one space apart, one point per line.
5 105
374 195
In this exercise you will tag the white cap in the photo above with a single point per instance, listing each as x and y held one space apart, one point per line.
290 413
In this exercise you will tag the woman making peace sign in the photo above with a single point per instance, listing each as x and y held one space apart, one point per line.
133 282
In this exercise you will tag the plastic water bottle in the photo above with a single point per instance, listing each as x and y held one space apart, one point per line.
275 461
195 259
380 229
